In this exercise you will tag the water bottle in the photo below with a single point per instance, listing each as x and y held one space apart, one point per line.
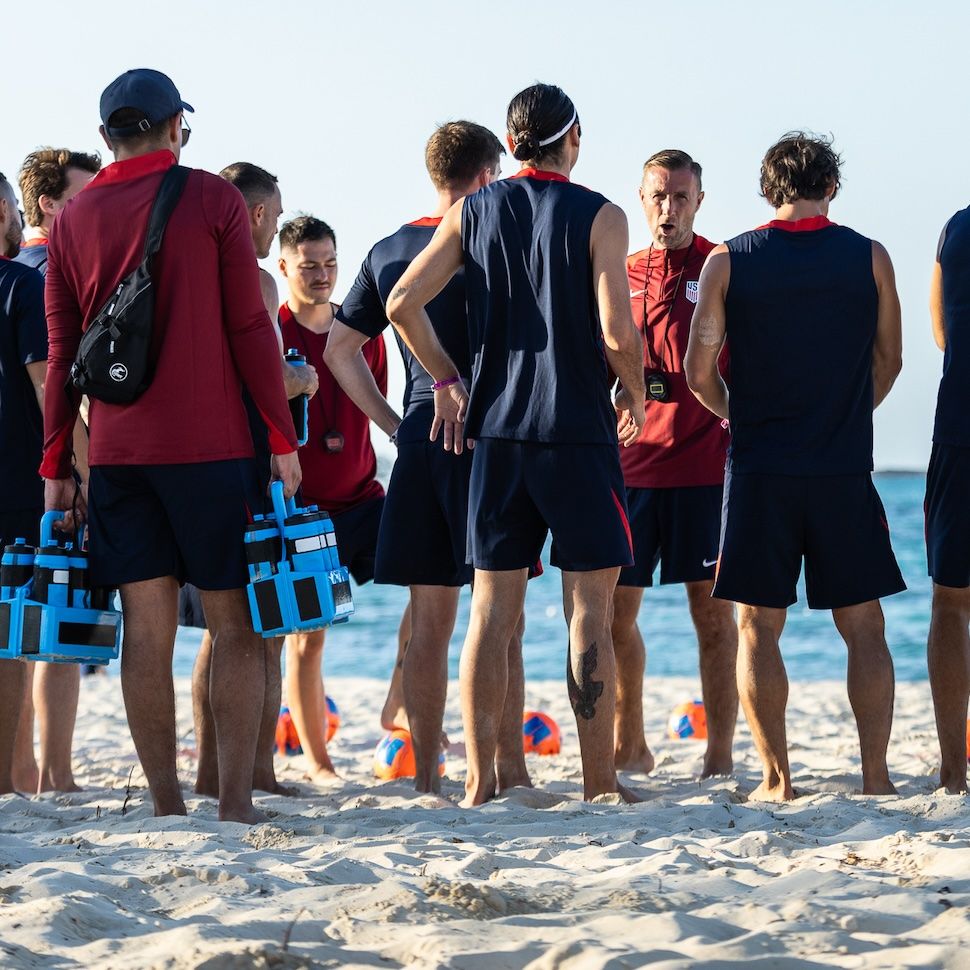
16 568
305 543
299 405
264 548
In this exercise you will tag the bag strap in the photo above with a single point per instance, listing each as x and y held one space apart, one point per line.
169 193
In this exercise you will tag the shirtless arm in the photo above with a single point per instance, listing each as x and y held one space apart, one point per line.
622 342
708 328
422 281
345 359
887 352
296 380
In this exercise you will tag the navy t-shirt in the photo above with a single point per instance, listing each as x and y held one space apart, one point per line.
363 311
953 399
23 340
539 367
34 254
801 314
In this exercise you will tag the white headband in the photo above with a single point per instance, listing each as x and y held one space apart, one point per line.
559 134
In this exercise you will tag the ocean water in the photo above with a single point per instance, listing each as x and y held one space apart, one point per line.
366 646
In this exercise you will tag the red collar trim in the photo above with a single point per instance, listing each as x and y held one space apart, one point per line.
427 221
5 259
133 168
540 174
811 224
38 241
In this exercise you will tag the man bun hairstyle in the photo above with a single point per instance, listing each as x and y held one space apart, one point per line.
255 183
457 151
536 115
303 229
800 165
674 160
44 172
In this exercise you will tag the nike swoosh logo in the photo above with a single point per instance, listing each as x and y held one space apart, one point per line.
634 293
710 562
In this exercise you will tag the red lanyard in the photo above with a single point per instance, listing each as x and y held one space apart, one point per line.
665 345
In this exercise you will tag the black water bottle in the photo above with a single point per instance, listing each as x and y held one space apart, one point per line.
299 405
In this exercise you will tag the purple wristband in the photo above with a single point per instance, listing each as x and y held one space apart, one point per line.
447 382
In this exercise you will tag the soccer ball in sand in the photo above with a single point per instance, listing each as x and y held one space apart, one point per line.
394 757
287 739
688 720
540 733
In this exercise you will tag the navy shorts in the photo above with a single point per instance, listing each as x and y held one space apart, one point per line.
356 531
948 516
186 521
522 490
679 528
20 524
422 540
837 523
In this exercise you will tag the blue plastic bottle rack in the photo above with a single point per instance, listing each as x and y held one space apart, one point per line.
47 610
296 580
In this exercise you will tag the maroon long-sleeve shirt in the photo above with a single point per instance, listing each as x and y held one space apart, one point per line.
212 332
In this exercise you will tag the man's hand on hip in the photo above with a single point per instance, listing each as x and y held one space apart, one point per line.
450 404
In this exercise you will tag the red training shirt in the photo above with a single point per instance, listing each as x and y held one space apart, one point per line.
336 481
682 443
212 331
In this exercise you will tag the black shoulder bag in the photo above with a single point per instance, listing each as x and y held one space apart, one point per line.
114 360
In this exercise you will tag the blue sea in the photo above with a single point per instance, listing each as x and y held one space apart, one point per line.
367 645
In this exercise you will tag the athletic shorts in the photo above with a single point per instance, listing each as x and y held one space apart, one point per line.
20 524
522 490
357 530
422 540
947 508
837 524
186 521
679 528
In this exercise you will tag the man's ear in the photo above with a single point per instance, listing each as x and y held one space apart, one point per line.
700 199
47 205
107 140
256 213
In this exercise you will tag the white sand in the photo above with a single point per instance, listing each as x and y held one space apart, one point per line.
367 874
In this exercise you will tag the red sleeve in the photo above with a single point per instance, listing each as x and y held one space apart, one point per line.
248 326
64 322
376 353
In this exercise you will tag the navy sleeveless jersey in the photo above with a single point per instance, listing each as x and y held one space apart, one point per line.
363 310
801 310
538 364
953 399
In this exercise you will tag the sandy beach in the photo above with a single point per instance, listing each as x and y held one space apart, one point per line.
367 874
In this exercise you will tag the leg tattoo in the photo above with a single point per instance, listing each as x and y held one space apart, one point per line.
583 699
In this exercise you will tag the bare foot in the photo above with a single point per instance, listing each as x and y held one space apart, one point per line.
718 766
480 793
250 816
628 794
322 775
882 787
176 808
641 761
275 788
66 783
955 782
511 776
780 791
26 778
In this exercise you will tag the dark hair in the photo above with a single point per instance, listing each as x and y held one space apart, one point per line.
44 172
304 229
674 160
800 165
129 118
255 183
457 151
534 115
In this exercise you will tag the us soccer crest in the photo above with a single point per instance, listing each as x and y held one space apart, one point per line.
692 290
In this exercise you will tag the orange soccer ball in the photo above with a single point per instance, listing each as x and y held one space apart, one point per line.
688 720
540 733
394 757
287 739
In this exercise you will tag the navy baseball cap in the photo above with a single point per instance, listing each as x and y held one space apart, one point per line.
152 93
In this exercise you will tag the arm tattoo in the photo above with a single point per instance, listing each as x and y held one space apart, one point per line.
583 698
399 291
709 332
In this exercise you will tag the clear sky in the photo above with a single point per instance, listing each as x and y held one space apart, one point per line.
338 99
